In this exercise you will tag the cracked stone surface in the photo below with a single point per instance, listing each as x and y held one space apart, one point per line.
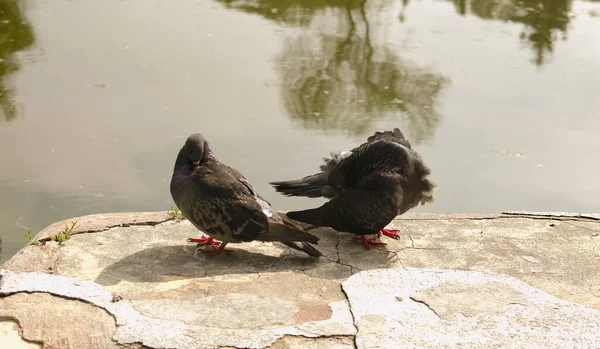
138 271
58 322
10 336
451 298
428 308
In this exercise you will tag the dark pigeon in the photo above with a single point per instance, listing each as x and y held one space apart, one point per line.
219 201
369 186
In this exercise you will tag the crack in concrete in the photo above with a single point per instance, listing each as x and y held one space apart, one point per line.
279 259
353 269
151 223
314 338
508 215
351 314
339 257
59 295
579 226
550 216
537 272
176 274
427 305
591 287
337 248
399 260
412 242
428 249
125 225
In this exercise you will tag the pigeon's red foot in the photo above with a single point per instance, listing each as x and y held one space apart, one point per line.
393 233
368 242
204 241
217 251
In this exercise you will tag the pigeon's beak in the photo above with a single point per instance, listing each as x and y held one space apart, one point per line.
196 162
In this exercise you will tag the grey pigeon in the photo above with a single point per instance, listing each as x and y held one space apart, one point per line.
369 186
219 201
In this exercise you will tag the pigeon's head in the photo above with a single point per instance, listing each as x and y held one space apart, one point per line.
196 148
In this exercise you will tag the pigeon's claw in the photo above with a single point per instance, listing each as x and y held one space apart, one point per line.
368 242
217 251
205 241
393 233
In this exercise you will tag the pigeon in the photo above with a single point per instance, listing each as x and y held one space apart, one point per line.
219 201
368 187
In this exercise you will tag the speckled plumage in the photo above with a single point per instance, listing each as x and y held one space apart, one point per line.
368 186
219 201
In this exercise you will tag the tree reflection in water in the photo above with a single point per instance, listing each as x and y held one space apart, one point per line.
544 20
15 35
334 77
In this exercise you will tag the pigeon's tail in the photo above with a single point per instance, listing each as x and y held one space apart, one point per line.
301 246
313 186
315 216
292 237
304 247
286 233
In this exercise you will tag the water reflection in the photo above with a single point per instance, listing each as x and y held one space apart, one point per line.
295 12
545 20
335 76
15 35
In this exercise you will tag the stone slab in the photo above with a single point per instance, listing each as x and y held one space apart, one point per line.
428 308
138 271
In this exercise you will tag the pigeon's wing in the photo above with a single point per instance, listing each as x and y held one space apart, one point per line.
315 185
331 163
390 167
220 204
224 217
395 136
264 204
338 173
272 227
373 164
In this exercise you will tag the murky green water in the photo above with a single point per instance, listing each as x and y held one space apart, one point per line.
96 97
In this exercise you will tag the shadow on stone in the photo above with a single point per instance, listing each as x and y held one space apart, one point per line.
166 263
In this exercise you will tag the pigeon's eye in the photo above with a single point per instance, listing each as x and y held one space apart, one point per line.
196 162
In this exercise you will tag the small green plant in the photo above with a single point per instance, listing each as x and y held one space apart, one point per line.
176 213
28 237
64 234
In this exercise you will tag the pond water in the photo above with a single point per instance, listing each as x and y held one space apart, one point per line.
500 97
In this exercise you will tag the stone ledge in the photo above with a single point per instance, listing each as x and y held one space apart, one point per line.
146 287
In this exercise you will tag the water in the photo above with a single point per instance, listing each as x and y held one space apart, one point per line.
499 97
